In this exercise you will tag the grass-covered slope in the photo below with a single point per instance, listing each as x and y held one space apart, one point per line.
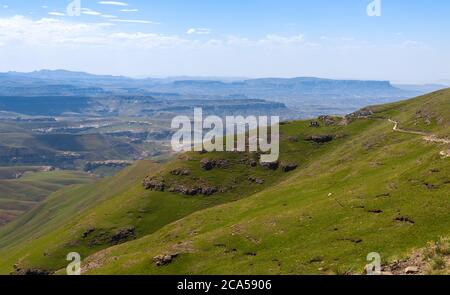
371 189
377 191
19 195
127 210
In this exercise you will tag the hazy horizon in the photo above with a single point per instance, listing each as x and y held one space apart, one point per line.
228 78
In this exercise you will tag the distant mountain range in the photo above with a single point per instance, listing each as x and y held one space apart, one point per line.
307 96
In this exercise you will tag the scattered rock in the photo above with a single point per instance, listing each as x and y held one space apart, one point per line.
256 180
363 113
180 172
320 138
315 260
123 235
411 270
445 154
208 191
376 211
314 124
345 121
87 232
31 271
162 260
328 120
154 184
405 219
270 165
355 241
208 164
287 167
193 191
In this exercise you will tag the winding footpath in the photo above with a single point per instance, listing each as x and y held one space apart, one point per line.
426 136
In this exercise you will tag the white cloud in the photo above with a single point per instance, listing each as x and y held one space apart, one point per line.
130 10
282 40
5 6
52 42
108 16
135 21
50 32
198 31
116 3
89 11
54 13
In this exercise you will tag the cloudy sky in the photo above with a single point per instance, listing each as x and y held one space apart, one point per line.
240 38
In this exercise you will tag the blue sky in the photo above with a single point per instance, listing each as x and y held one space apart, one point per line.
328 38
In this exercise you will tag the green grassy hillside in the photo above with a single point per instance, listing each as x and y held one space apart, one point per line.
370 189
19 195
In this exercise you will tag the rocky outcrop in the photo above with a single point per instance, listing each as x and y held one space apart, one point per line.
35 272
123 235
327 120
154 184
164 259
193 191
30 271
208 164
180 172
320 138
363 113
87 232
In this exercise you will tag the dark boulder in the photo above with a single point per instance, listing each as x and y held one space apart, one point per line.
270 165
287 167
123 235
320 138
207 164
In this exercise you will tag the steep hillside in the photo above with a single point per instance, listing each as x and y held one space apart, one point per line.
19 195
359 187
131 211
